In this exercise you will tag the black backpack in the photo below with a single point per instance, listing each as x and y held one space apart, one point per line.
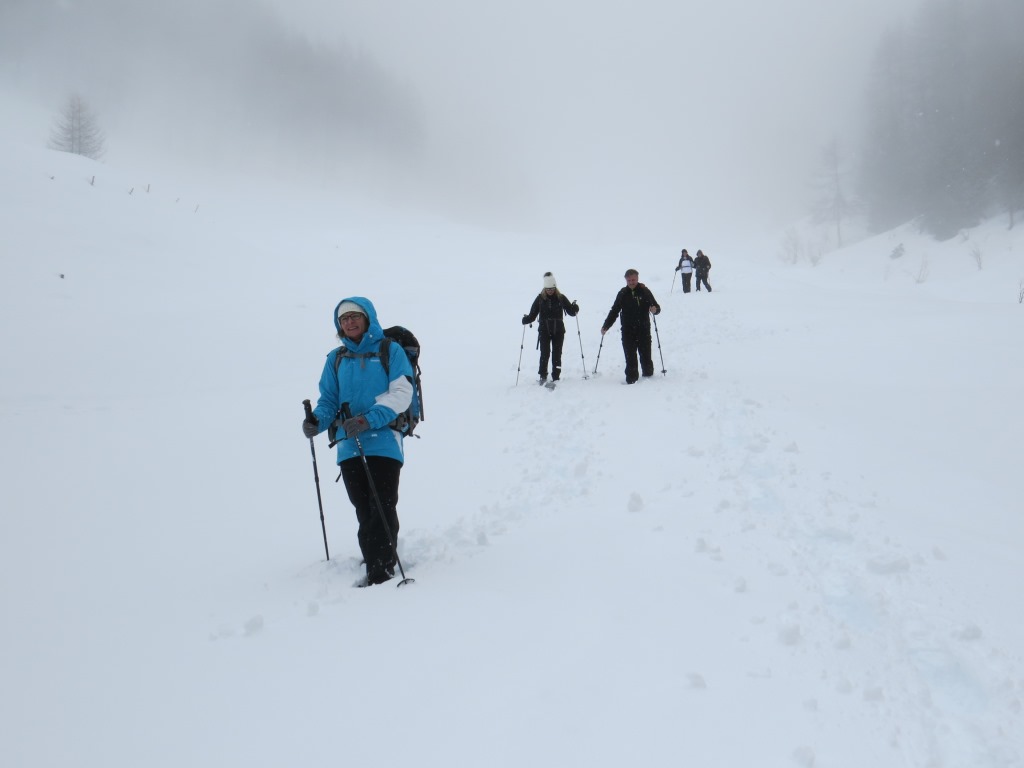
406 421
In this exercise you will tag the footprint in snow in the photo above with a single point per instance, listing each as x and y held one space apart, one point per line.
888 566
253 626
697 681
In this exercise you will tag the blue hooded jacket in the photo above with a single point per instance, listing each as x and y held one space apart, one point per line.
360 381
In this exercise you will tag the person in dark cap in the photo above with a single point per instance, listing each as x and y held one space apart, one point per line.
703 265
634 306
685 269
550 305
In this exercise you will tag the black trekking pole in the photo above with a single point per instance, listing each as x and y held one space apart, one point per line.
673 282
599 346
521 344
347 414
658 337
580 336
316 479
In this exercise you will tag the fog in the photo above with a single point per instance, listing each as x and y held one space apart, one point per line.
638 119
636 114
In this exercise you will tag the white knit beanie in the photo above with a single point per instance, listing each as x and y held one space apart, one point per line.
549 280
350 306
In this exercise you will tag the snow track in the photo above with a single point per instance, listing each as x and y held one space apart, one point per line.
798 548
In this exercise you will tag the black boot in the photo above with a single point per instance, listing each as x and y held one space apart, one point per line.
379 573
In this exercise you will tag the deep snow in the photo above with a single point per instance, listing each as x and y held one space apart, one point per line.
798 547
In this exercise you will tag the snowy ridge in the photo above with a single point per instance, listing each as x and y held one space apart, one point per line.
799 547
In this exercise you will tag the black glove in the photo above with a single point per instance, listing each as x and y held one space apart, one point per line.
310 426
355 425
576 308
526 319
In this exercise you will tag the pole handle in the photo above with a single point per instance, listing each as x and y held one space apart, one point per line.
316 479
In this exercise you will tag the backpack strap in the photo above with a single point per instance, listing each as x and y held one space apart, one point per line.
404 423
383 353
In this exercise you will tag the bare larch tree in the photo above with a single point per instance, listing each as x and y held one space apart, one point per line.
76 130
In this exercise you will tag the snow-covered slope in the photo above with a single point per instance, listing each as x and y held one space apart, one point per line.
800 546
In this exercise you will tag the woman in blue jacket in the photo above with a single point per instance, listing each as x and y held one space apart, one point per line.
375 394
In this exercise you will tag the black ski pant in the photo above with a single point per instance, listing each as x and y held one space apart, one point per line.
636 342
687 278
550 348
702 277
377 548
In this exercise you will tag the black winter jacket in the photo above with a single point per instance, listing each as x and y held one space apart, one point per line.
632 306
550 309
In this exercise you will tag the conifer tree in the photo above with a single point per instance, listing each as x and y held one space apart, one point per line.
76 130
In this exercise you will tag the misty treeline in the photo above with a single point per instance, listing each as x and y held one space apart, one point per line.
945 118
209 80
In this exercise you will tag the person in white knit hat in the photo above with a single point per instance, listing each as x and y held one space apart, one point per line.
550 306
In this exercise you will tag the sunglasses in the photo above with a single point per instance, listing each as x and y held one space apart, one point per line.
349 316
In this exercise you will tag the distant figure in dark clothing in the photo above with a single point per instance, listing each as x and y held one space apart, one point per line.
550 305
703 265
685 268
634 305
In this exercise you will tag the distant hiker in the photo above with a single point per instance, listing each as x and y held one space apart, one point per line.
550 304
685 268
634 305
703 265
374 396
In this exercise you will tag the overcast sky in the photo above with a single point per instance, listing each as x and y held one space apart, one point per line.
671 110
624 117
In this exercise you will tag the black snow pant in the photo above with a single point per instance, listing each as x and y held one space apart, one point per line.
377 548
702 277
550 348
636 342
687 277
